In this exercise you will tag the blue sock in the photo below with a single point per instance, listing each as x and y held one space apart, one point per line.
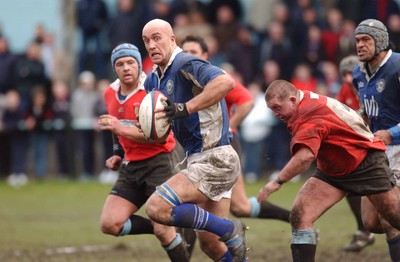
226 258
394 248
192 216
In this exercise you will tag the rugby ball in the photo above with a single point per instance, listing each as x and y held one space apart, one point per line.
152 127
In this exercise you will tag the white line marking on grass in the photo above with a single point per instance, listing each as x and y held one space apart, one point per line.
72 250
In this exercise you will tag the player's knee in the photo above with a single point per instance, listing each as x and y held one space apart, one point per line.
156 209
110 228
151 207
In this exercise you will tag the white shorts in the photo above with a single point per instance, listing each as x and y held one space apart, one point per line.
393 153
215 171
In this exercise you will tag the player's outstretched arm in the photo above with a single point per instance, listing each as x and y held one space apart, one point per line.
299 163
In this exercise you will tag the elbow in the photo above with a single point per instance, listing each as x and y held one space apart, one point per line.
231 83
308 157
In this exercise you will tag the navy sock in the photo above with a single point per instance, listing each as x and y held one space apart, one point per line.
137 225
394 248
192 216
226 258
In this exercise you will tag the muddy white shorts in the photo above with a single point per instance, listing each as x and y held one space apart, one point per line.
215 171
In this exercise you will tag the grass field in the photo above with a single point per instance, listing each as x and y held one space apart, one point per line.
58 221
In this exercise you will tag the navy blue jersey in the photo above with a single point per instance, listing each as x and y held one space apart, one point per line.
380 93
184 78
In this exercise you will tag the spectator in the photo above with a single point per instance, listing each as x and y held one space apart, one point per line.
241 53
215 55
330 78
7 64
277 46
259 14
132 14
270 72
312 51
346 44
83 101
92 18
61 103
380 10
107 176
193 21
14 120
226 26
393 27
48 53
351 10
30 72
254 130
5 156
332 33
303 78
40 117
7 67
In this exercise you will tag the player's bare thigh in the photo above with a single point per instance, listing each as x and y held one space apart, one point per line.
314 198
159 209
387 205
116 211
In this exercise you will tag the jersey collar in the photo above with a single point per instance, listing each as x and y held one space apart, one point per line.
171 59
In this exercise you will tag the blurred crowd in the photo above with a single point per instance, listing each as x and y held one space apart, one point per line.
47 101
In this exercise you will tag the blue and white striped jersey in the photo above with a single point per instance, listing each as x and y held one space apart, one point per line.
184 78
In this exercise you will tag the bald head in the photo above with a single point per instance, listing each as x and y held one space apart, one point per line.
160 24
159 40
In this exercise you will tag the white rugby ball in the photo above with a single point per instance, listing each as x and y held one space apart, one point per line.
152 127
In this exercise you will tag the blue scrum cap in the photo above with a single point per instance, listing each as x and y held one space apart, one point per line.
124 50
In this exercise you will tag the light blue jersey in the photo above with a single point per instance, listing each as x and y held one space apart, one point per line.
380 93
184 78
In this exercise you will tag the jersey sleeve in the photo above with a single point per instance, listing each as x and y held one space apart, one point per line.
238 95
201 72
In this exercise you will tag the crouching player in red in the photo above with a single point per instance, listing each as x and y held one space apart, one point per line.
350 160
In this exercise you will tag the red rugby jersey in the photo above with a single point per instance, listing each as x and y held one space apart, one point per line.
336 134
237 96
125 112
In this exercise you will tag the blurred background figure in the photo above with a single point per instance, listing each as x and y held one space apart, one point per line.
125 26
39 124
106 176
254 129
92 19
7 64
29 72
303 78
83 101
62 128
14 121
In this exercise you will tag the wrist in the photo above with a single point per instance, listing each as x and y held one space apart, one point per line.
279 181
394 131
